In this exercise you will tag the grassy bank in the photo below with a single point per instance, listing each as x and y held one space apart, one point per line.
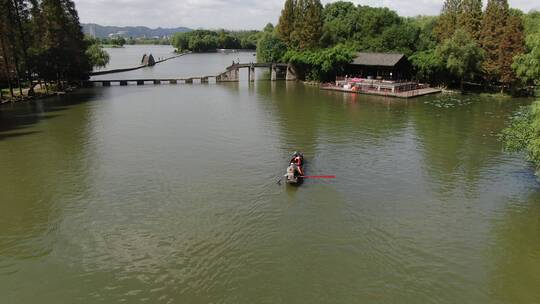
40 92
111 46
523 133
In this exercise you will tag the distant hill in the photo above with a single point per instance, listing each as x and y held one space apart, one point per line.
129 31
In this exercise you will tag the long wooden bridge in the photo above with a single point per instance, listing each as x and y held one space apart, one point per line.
278 71
141 66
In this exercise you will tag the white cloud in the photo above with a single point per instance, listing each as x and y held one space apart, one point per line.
231 14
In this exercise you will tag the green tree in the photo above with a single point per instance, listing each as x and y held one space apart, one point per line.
427 65
6 66
98 57
227 40
270 48
461 55
13 13
118 41
286 25
426 38
181 41
523 133
248 39
448 20
322 64
61 38
310 25
401 38
339 22
205 40
269 28
301 24
511 45
527 66
531 22
371 23
491 35
470 17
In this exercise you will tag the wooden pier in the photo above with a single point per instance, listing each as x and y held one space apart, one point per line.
403 94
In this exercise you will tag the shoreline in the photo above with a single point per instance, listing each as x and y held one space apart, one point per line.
38 96
222 51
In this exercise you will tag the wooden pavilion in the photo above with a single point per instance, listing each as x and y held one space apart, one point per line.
381 66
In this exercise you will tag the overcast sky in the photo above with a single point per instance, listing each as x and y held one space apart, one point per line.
229 14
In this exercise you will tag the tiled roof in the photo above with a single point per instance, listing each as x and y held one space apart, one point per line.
377 59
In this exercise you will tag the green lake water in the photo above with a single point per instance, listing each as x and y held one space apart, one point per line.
168 194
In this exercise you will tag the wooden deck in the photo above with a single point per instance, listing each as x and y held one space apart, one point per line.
406 94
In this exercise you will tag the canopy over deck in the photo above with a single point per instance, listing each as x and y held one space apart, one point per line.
393 66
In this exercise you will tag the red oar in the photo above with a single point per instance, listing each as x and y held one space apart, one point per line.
319 176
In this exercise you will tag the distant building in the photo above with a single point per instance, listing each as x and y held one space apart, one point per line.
388 66
118 34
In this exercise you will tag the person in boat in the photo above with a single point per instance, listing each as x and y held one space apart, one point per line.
297 161
293 173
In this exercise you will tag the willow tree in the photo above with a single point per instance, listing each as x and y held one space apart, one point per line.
527 66
98 57
461 55
448 20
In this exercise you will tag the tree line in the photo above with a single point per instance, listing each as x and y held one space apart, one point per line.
206 40
41 41
464 44
523 131
120 41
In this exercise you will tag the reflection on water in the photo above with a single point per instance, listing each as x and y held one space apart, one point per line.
517 271
168 194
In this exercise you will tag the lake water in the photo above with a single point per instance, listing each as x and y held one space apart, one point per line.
186 66
168 194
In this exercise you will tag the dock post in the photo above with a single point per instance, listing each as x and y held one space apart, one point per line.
273 73
251 73
291 73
